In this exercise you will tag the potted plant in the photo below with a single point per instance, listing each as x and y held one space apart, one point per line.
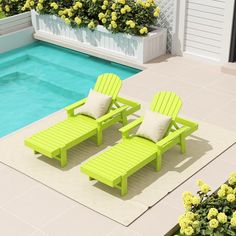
210 214
119 27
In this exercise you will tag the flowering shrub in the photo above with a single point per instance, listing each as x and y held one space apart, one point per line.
129 16
207 214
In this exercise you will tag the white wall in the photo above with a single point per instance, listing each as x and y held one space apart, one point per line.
14 23
204 28
16 39
15 31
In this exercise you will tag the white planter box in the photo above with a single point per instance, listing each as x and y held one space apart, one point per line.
15 23
124 46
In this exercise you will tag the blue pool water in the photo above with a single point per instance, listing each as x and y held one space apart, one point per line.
41 78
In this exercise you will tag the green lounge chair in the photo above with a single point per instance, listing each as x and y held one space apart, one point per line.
55 141
114 166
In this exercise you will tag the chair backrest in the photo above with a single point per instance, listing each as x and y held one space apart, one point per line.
109 84
166 103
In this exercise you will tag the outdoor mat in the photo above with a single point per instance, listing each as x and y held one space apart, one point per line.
145 188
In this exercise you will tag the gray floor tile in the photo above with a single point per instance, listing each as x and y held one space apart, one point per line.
12 226
123 231
39 206
14 185
80 220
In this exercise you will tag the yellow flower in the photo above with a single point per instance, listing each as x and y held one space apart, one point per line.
184 223
54 5
132 25
232 180
212 213
195 224
213 223
187 199
233 221
122 10
104 7
187 207
185 194
113 24
78 20
145 30
105 3
79 4
141 31
196 200
94 1
234 214
222 218
39 6
114 18
101 15
31 3
156 14
113 7
41 1
190 215
158 9
127 22
188 231
221 193
127 8
200 182
67 20
224 187
7 8
230 197
121 1
104 20
60 13
91 25
205 188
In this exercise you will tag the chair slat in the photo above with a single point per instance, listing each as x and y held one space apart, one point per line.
167 103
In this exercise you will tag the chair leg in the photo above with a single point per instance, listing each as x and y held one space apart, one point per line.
99 136
182 144
124 185
124 119
63 158
158 161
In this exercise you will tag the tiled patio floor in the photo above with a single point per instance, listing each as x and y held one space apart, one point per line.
30 208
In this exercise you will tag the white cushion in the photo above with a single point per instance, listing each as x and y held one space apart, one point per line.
154 126
96 105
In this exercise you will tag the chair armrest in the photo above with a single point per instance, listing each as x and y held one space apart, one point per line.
111 114
133 106
171 137
125 130
70 109
193 126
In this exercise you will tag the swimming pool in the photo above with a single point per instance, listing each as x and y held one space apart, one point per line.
40 79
